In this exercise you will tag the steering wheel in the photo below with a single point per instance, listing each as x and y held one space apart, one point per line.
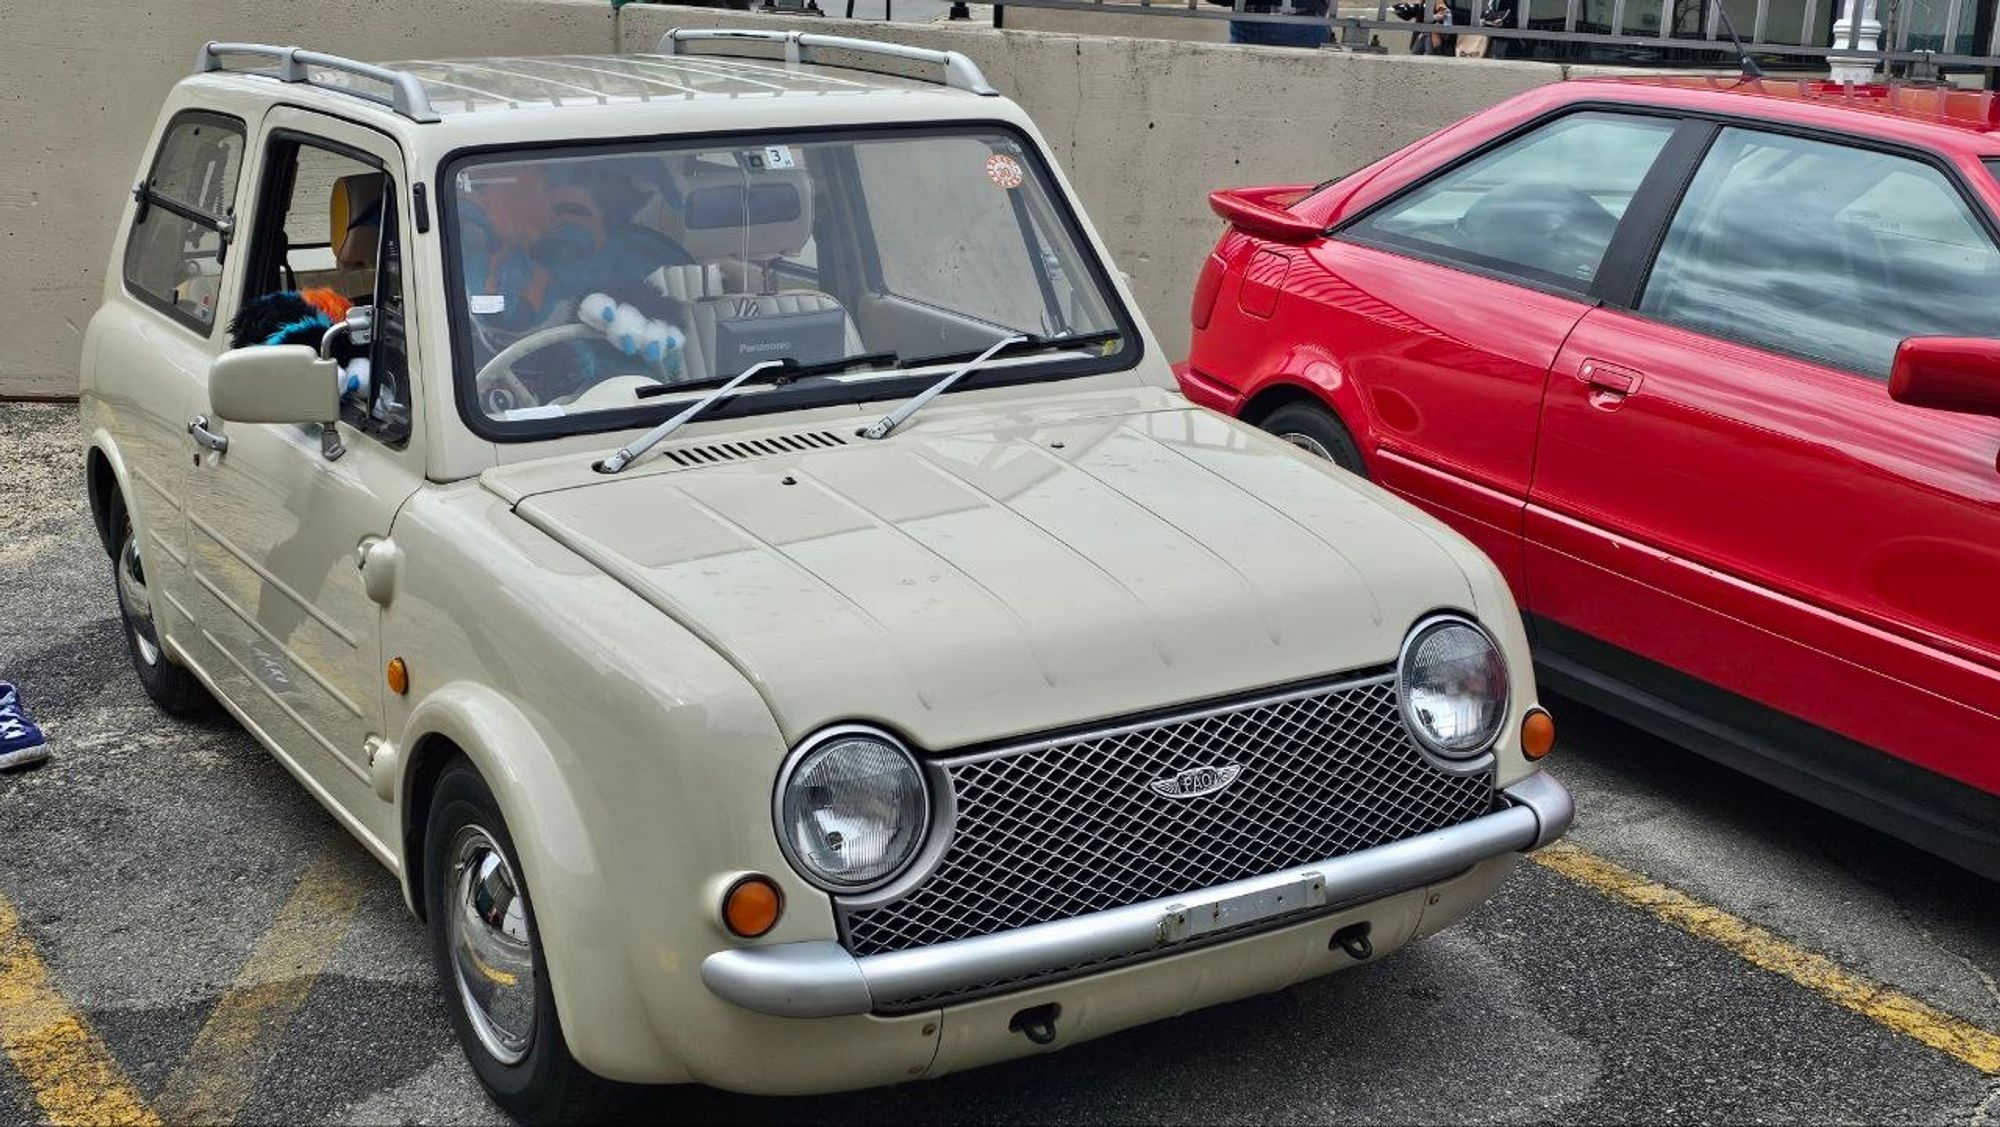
500 390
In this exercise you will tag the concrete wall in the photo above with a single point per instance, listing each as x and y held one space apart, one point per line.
1144 127
80 87
1113 22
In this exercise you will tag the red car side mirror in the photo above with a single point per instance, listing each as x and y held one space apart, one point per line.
1258 211
1948 374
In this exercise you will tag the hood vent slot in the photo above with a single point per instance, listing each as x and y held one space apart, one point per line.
754 448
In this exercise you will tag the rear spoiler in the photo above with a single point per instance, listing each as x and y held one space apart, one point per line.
1266 212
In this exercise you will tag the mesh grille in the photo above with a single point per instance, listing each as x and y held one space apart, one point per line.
1051 832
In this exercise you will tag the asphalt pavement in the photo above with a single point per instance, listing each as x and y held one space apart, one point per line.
182 928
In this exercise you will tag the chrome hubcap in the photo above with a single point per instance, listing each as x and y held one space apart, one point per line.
138 604
492 955
1307 443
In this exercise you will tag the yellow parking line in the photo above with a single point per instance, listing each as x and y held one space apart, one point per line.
249 1021
1977 1047
73 1076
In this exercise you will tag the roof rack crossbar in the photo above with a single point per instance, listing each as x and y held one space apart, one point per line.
960 73
291 64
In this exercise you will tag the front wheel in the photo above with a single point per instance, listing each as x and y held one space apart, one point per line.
170 686
1318 432
489 958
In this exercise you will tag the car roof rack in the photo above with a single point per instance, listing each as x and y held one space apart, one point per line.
406 95
960 73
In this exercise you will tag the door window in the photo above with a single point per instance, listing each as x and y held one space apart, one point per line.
1824 251
1542 207
334 242
182 227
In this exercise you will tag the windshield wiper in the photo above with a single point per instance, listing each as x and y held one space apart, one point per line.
1017 343
768 371
1027 344
882 427
793 370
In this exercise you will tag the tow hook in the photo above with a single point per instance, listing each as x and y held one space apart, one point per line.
1353 939
1037 1023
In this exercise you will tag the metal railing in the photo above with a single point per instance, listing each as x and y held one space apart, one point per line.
1586 28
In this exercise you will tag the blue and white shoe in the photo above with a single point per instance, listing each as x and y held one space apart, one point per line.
21 743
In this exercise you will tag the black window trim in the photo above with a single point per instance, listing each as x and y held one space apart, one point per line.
145 199
1511 273
770 400
283 137
1719 121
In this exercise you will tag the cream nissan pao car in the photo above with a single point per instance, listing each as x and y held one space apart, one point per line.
713 523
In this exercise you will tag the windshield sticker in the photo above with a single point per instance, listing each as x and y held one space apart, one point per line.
1004 171
779 156
487 303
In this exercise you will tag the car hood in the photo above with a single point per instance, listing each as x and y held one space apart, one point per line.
989 574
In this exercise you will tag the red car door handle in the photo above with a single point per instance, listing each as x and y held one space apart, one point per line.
1614 378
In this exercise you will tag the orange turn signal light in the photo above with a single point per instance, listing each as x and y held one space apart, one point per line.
1538 733
399 676
751 906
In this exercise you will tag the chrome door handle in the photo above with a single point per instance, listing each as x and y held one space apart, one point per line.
203 437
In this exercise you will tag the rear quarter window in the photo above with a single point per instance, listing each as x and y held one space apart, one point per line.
184 219
1542 207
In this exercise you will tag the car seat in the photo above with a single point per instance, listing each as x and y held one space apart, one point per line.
354 219
736 224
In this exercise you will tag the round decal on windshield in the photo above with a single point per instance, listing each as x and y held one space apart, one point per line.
1004 171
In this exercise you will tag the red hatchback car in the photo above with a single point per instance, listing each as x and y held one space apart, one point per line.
1710 368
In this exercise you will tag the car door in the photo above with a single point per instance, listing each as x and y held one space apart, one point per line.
1446 306
146 352
279 519
1725 488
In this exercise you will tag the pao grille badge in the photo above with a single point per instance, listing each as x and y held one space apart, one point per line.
1197 781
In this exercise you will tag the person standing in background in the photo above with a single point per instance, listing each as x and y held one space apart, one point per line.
1440 43
1268 34
1496 13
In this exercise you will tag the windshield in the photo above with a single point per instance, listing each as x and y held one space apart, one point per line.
601 282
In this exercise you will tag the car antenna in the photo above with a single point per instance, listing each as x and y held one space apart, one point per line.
1750 67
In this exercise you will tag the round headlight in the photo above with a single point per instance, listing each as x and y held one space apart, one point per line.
1453 685
852 811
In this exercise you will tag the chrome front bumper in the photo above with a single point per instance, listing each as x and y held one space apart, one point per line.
820 979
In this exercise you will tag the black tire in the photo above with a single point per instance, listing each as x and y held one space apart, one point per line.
1319 432
545 1084
170 685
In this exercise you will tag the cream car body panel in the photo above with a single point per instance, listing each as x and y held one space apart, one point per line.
628 660
999 575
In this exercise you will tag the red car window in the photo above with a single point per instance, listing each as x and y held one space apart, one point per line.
1829 252
1542 206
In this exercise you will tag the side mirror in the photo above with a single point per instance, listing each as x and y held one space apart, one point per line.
1948 374
276 383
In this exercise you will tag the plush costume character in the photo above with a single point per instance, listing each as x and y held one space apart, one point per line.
288 317
303 317
632 331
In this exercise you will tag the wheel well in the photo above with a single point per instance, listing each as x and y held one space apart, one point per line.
428 759
102 485
1271 398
